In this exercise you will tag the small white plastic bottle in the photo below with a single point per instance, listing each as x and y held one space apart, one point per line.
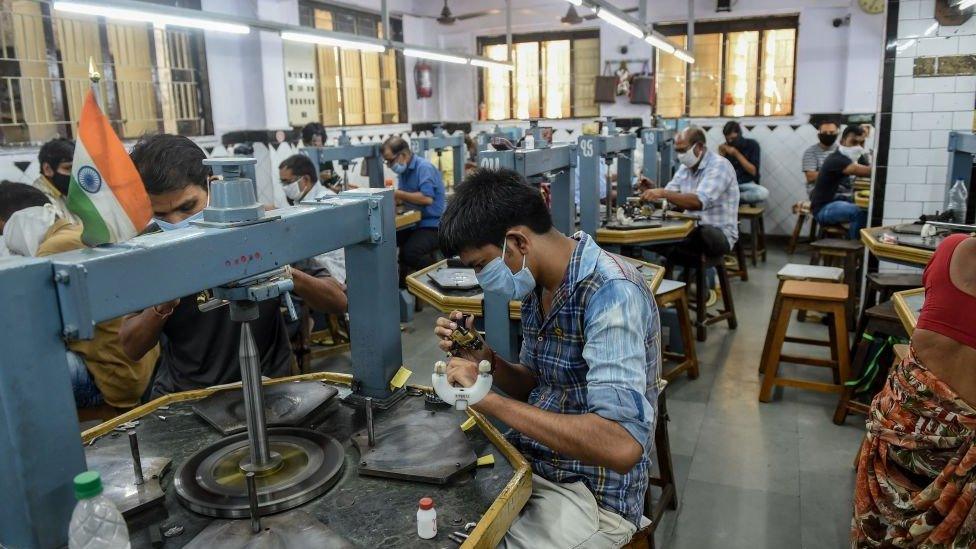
426 519
529 142
95 522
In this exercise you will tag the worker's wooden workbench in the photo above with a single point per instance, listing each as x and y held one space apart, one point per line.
366 511
673 229
896 253
908 305
407 219
470 301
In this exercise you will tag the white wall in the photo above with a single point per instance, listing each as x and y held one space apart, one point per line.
924 111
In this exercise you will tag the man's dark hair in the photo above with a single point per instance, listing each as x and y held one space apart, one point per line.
828 121
395 144
312 129
300 165
56 151
486 205
731 127
169 163
18 196
852 129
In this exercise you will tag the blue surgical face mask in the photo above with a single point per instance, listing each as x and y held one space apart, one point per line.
398 168
496 277
167 226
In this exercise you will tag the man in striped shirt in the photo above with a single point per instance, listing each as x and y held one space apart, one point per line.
814 156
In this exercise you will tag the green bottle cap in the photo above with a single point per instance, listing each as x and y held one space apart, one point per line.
88 485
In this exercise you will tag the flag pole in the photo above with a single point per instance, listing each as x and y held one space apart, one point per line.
95 78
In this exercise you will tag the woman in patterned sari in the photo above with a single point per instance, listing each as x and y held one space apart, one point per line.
916 472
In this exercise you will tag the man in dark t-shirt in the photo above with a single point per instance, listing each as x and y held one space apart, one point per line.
829 207
200 349
744 155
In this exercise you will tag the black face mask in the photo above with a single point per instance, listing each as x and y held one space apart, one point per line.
60 182
827 139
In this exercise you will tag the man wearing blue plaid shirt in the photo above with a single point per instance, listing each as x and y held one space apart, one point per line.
581 399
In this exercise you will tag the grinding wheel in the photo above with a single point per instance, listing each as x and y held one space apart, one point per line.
212 483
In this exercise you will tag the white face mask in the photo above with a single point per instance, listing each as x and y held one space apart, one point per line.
689 158
293 190
851 152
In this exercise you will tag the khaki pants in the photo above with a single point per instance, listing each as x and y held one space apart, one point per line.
566 516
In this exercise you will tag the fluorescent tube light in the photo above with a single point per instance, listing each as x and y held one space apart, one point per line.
579 3
621 24
330 41
491 64
659 43
424 54
965 4
156 18
684 56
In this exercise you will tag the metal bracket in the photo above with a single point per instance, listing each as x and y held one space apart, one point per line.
72 291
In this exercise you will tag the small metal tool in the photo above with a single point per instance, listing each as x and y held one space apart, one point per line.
461 535
252 500
463 338
456 539
370 433
136 460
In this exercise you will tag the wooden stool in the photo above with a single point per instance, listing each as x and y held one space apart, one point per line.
846 254
703 319
757 230
880 286
672 292
796 271
802 211
735 263
643 538
813 296
879 321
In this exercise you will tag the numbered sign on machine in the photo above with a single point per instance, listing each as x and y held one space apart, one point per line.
586 148
490 162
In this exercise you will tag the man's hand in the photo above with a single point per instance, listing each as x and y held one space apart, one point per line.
653 194
163 310
443 329
462 372
644 184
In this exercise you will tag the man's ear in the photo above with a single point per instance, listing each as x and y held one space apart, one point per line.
519 238
46 170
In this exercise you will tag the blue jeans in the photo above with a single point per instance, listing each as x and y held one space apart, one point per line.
840 211
82 384
750 193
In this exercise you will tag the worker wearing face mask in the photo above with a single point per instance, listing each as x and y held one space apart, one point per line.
582 395
100 371
419 187
201 347
815 155
830 207
706 185
55 159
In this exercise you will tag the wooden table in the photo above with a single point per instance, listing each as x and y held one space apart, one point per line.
407 219
896 253
471 302
674 229
908 305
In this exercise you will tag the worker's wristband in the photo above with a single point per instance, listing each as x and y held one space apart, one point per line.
161 316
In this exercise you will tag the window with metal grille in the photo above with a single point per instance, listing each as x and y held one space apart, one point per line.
554 76
743 67
347 87
153 79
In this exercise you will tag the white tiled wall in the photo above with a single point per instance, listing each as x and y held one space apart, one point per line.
924 111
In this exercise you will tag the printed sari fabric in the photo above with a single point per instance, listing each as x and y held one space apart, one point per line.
916 472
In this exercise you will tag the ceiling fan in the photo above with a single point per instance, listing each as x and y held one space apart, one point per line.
448 18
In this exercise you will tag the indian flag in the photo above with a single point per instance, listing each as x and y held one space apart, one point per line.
105 191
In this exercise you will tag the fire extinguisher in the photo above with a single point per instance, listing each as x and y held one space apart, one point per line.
422 79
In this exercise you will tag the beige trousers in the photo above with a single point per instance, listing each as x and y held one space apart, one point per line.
566 516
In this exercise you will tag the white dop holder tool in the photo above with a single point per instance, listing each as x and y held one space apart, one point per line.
461 397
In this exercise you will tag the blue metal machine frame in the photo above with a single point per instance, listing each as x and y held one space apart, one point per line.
500 330
658 151
962 154
66 294
345 151
594 149
440 141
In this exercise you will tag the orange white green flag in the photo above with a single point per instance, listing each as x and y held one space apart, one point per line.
105 191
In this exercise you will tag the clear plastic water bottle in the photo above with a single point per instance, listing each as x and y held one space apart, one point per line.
95 523
957 200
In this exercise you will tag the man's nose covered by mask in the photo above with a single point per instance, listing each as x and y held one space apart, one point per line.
827 139
61 181
167 226
496 277
688 158
293 190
